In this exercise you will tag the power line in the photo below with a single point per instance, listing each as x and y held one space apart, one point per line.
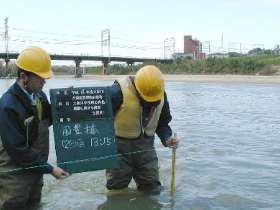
53 39
140 45
57 34
156 43
59 41
53 25
48 42
78 42
135 47
115 42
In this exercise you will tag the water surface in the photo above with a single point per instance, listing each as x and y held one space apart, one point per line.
229 154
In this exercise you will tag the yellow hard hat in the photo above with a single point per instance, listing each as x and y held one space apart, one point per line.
150 83
35 60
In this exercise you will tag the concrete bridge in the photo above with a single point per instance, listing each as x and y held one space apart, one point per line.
79 58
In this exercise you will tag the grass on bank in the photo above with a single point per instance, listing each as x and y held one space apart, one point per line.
260 65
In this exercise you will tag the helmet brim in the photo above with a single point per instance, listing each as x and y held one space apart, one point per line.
46 75
153 98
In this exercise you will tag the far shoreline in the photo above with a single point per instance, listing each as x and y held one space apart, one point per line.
228 78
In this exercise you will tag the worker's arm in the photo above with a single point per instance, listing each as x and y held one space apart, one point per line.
14 142
116 96
163 130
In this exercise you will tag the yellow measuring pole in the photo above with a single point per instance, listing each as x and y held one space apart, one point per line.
173 168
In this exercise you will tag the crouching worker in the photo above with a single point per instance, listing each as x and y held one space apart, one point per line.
141 109
25 117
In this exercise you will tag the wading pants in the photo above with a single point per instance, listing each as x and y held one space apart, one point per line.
137 160
21 189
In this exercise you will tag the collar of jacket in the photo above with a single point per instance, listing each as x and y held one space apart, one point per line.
31 96
17 91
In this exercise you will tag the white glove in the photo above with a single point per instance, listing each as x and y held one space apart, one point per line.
172 142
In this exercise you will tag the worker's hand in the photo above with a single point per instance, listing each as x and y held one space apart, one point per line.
172 142
59 173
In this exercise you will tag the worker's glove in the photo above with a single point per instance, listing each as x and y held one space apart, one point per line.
172 142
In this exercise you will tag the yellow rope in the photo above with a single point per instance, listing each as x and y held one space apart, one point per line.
173 168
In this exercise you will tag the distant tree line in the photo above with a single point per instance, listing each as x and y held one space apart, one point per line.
263 51
262 65
219 66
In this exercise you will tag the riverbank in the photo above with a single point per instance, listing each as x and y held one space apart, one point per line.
250 79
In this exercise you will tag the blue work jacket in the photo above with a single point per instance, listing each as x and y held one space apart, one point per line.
19 131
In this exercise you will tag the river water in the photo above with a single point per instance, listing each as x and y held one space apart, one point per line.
228 158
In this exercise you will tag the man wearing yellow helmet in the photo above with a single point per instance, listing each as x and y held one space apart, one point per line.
141 109
25 117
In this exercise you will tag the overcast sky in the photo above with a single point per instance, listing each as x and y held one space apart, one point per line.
138 28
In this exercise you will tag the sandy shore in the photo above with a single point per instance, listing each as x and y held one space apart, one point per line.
274 80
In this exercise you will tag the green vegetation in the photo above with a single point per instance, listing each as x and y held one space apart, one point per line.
60 70
246 65
263 65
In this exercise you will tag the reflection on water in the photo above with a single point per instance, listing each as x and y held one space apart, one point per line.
130 201
228 158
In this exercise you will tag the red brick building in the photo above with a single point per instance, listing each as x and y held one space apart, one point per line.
192 46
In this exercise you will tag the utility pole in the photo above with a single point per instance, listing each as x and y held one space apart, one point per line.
222 44
6 38
169 46
105 40
207 42
236 48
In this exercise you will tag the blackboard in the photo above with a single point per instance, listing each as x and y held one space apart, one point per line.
83 129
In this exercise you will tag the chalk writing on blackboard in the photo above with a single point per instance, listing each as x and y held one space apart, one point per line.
79 129
107 141
68 144
80 104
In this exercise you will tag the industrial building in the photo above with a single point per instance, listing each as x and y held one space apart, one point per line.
192 49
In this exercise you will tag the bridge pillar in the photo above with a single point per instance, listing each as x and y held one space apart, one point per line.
8 71
105 67
78 72
129 64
